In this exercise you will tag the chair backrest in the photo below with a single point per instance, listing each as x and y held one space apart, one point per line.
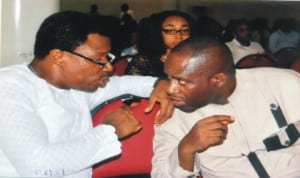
286 56
256 60
296 65
120 65
136 150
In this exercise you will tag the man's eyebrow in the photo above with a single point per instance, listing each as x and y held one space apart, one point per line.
172 25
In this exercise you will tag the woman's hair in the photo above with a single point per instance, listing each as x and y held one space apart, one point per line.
150 41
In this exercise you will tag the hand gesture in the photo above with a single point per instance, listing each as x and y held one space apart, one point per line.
124 122
159 95
205 133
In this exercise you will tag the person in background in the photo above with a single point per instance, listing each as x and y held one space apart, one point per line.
227 122
94 10
45 125
204 24
125 9
129 31
132 50
156 37
284 35
260 31
241 45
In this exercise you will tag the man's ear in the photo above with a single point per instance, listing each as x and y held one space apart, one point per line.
56 57
219 79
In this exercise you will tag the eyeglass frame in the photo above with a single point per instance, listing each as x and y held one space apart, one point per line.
102 64
181 31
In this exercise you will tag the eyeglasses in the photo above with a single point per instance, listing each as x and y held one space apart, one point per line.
174 32
110 58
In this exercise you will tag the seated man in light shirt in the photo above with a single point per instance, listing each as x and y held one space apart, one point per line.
45 125
241 45
285 36
227 123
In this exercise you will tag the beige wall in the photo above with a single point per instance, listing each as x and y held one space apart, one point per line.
221 10
224 10
141 8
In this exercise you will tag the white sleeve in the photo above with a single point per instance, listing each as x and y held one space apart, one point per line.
165 160
25 143
127 84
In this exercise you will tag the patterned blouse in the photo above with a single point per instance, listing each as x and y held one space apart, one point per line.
141 65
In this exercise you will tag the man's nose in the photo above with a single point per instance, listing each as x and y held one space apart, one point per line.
173 88
109 68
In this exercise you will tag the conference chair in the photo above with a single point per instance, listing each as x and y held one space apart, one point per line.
256 60
135 159
285 57
120 65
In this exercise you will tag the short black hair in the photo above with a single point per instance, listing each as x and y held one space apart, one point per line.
125 7
238 22
65 30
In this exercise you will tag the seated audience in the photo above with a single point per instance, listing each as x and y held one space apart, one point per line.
227 122
260 31
284 35
133 50
129 31
156 38
241 45
45 124
125 9
204 24
227 34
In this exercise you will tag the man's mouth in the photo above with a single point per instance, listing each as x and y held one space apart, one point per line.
177 101
103 81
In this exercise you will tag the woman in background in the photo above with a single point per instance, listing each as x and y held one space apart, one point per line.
156 37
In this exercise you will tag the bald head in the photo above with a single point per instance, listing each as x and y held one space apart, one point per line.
206 53
201 71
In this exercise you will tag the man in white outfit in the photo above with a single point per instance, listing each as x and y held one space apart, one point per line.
45 125
241 45
229 123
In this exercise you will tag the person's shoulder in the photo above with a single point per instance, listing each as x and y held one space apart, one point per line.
18 71
255 43
230 45
269 73
17 78
229 42
233 43
179 118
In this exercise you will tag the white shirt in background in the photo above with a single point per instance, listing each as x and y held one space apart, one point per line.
239 51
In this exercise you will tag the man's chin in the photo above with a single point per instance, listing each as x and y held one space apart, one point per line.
186 109
94 87
102 85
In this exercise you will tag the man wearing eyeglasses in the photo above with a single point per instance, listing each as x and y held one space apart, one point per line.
45 123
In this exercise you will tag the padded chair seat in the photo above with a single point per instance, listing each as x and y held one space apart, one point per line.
136 150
